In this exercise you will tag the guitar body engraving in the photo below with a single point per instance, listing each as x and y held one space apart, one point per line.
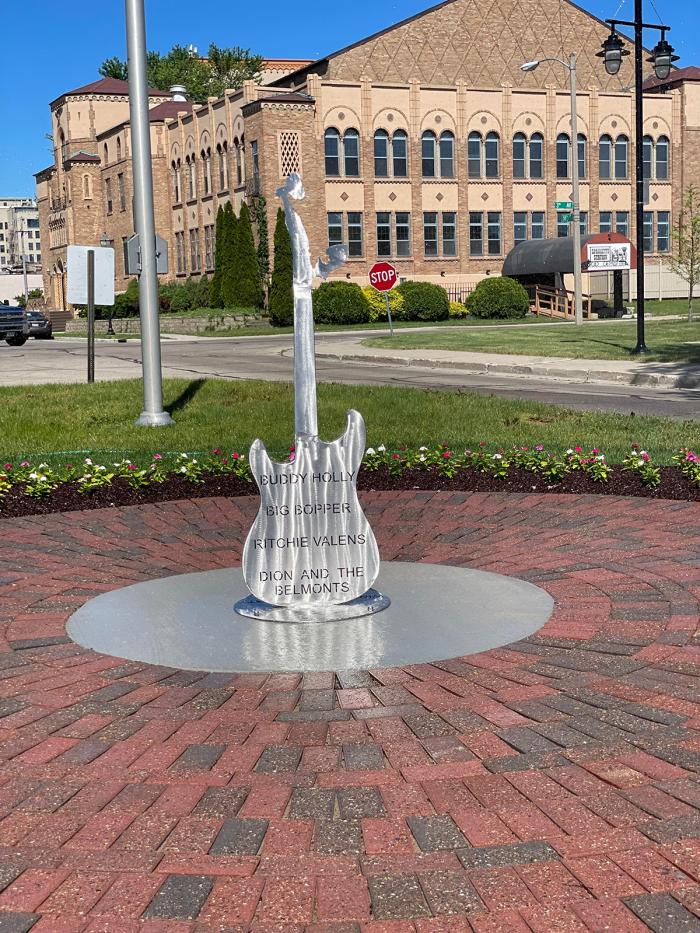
310 542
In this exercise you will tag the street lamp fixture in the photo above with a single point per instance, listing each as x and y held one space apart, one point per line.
662 58
612 53
576 210
105 242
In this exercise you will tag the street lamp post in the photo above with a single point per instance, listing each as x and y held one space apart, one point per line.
153 413
662 58
576 211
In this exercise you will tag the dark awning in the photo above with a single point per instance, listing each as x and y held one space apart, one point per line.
542 257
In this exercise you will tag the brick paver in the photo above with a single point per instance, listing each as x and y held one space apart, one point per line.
548 785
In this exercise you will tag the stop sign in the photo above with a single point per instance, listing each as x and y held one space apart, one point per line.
382 276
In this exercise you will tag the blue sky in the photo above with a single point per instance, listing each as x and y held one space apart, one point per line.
53 47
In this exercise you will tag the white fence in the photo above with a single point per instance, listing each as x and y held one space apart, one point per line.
659 282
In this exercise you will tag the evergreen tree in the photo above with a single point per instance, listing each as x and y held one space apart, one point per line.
228 258
215 287
263 244
249 293
281 302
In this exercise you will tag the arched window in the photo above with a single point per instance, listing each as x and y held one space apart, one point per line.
621 156
191 178
428 145
119 149
206 171
563 153
222 150
105 154
519 150
381 154
399 154
351 153
536 155
647 156
176 181
662 152
447 155
492 158
582 156
605 152
87 187
332 151
474 144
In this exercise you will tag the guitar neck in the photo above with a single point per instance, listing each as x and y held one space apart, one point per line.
305 407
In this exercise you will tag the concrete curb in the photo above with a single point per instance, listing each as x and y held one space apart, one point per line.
689 379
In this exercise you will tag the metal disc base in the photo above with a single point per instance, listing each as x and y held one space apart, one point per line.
367 604
154 419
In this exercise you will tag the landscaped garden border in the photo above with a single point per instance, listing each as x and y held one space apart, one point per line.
34 489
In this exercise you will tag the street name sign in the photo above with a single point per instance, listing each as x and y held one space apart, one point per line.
564 205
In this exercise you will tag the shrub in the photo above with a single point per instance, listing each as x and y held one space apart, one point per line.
227 256
500 297
340 303
281 302
458 310
424 301
215 290
248 290
377 304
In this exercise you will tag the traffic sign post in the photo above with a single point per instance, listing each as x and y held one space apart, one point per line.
383 277
91 282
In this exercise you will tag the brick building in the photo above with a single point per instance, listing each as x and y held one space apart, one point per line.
424 144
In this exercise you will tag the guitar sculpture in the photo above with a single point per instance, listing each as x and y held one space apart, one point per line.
310 548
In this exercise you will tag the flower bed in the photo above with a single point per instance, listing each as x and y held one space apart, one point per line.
31 489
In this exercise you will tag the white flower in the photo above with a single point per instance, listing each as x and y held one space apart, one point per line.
643 453
422 448
182 469
381 448
88 461
33 476
370 450
570 450
497 457
422 457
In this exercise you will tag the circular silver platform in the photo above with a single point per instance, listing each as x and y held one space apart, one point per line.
188 621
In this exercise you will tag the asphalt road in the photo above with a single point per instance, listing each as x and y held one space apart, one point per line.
269 358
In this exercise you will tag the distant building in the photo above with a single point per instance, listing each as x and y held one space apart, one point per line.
20 234
424 144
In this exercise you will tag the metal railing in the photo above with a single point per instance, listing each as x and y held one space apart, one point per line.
457 292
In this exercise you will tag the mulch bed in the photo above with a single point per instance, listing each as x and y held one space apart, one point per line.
67 498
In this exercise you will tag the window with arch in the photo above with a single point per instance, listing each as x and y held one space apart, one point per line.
484 155
222 150
582 152
647 156
563 153
119 149
87 187
105 154
351 153
605 157
331 142
663 148
447 154
175 171
519 155
621 156
536 155
381 154
206 171
191 177
399 154
428 147
240 164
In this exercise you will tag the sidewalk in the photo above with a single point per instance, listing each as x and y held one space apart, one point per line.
620 372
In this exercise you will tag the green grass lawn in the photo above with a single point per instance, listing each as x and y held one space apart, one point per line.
668 341
654 307
70 420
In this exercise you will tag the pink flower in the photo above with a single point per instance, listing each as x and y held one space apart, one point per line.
396 457
539 447
447 454
224 459
645 457
482 443
8 466
635 446
595 451
132 466
235 456
578 449
157 456
216 450
24 463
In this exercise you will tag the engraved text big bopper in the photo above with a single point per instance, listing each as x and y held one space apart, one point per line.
310 554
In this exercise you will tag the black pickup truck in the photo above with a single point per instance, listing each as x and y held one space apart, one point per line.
14 327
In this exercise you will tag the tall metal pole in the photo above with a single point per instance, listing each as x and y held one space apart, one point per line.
153 413
578 288
639 170
91 315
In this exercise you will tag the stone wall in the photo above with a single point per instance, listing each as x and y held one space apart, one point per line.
172 324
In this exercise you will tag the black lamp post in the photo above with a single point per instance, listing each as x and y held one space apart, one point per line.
662 58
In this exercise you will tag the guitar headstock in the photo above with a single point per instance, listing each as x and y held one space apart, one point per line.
292 188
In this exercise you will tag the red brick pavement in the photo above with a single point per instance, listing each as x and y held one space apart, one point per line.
547 786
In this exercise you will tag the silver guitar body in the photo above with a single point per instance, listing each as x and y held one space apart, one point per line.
311 545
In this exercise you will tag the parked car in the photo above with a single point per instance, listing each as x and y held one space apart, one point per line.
14 326
39 325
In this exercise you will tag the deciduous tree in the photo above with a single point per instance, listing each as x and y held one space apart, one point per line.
685 260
